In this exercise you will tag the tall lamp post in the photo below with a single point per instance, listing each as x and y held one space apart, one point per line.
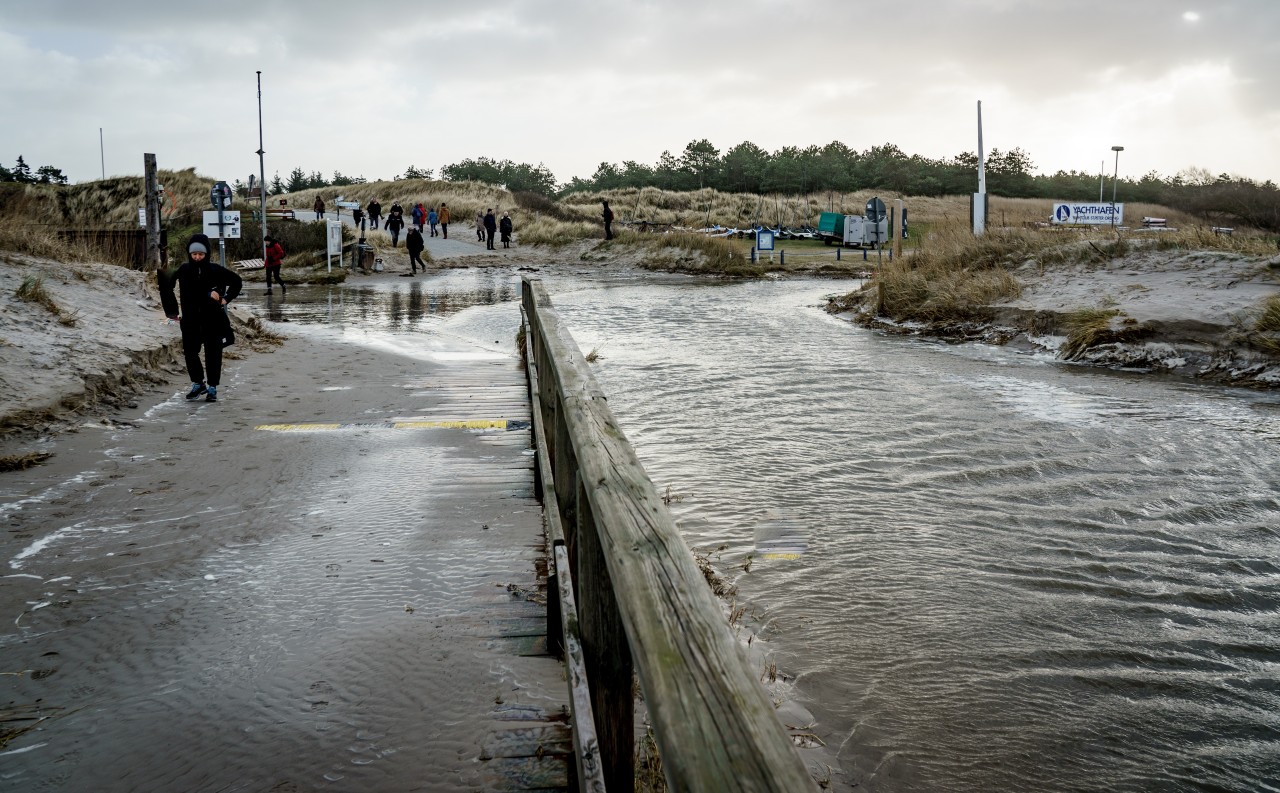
1115 177
262 176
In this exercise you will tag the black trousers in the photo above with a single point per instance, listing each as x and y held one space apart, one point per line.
415 260
608 229
274 272
489 233
212 342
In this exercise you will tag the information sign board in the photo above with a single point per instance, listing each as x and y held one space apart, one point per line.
764 240
335 238
1100 214
230 225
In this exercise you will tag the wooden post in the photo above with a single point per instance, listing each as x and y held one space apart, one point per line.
153 212
606 655
896 233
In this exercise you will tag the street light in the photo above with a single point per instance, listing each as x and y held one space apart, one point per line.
1114 178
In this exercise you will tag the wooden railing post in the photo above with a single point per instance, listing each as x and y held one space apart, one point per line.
635 603
607 655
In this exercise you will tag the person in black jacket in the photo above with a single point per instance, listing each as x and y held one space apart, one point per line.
395 222
607 214
414 244
506 227
375 213
206 288
490 228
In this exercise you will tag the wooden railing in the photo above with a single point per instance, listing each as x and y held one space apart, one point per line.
626 596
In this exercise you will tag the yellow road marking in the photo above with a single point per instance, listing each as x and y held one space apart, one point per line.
468 424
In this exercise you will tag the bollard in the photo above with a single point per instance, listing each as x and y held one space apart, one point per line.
782 257
753 254
864 254
838 253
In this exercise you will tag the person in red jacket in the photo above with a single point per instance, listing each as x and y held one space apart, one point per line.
275 257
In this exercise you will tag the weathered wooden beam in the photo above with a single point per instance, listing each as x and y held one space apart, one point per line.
716 730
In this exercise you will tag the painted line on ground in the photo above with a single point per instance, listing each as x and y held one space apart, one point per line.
468 424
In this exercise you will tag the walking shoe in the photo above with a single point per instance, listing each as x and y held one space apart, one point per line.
212 396
196 390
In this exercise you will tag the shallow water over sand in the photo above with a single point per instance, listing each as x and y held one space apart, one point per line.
1012 574
986 571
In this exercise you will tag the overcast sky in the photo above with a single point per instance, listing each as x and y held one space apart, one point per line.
368 88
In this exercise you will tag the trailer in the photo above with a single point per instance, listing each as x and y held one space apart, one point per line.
852 231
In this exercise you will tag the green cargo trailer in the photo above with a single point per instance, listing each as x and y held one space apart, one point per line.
831 227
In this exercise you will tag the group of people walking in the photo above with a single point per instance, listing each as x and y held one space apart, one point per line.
487 225
422 218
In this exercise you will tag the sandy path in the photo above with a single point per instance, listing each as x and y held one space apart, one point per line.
199 605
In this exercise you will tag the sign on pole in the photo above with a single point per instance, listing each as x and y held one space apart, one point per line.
230 225
334 232
335 237
1100 214
142 217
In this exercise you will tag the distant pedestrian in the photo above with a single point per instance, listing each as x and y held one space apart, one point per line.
414 244
607 214
505 226
318 206
480 225
395 222
375 213
396 208
490 228
205 289
357 215
419 215
432 220
444 220
275 258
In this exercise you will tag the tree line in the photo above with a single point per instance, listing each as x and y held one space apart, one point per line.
45 174
747 168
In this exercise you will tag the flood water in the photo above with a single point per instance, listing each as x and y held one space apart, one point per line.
1005 573
998 572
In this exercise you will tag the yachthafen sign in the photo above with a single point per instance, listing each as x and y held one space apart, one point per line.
1087 214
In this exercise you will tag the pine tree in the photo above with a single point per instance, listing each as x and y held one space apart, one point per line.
22 171
277 186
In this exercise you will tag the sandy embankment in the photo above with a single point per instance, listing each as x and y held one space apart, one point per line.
108 338
1188 314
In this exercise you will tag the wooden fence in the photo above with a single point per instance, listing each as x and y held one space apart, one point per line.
625 597
127 246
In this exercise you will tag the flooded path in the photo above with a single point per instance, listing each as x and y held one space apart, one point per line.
191 603
978 569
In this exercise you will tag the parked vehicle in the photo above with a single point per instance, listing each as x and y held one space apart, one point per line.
853 231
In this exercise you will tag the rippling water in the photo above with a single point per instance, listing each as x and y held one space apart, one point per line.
1016 574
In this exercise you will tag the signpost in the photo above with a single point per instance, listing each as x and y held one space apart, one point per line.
875 216
1084 214
220 197
764 242
334 232
222 225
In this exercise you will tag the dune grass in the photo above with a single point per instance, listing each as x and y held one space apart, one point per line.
32 290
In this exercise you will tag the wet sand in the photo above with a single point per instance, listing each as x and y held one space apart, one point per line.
194 604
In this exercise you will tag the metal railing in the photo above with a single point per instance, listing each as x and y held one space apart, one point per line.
626 597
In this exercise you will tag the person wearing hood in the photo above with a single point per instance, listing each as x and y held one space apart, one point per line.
205 290
318 206
505 226
275 258
414 244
